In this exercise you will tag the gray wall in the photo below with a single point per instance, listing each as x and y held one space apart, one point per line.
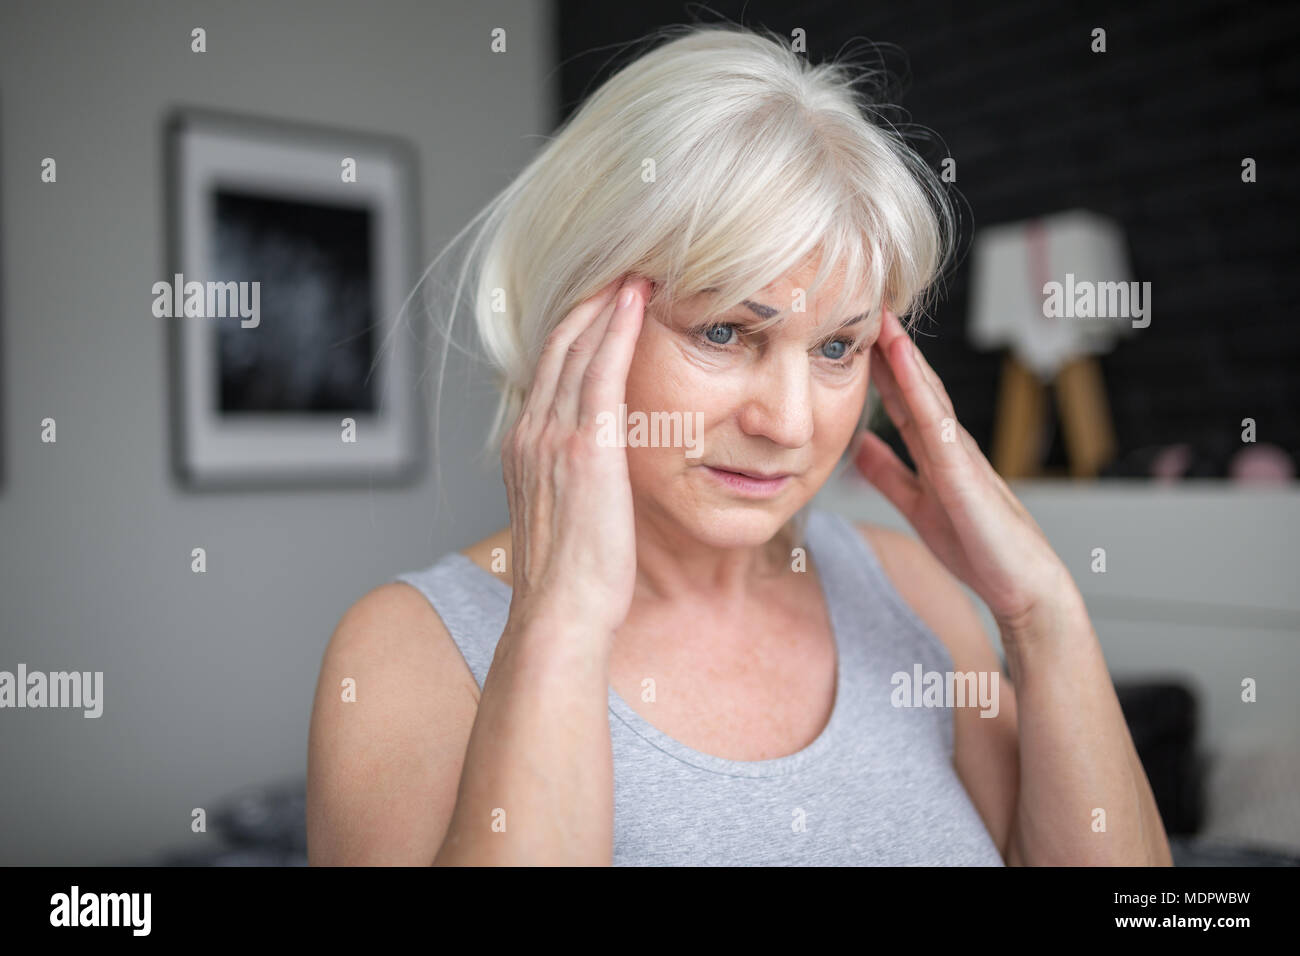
209 677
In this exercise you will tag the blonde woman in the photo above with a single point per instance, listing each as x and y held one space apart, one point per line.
669 656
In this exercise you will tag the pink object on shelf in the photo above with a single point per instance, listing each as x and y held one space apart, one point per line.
1171 463
1261 464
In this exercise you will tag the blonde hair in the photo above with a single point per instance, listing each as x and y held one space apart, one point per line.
721 160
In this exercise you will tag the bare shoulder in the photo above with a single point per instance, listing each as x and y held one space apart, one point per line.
392 623
395 704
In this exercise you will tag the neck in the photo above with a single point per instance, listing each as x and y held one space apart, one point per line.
674 567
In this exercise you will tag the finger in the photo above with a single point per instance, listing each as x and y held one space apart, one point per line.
604 384
991 473
891 329
931 419
890 392
880 466
932 377
891 396
576 359
541 394
950 429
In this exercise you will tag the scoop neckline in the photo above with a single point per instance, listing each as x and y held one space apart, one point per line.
771 767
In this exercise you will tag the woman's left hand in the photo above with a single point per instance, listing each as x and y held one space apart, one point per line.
960 507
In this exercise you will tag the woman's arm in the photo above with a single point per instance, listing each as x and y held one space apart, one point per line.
421 768
538 780
1075 753
538 783
383 762
1084 797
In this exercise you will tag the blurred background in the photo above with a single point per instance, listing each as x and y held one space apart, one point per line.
1159 153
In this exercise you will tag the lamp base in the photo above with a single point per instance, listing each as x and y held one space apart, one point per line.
1019 443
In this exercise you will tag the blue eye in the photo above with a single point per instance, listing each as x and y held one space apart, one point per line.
838 344
724 334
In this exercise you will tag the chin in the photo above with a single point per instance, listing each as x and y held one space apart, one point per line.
739 524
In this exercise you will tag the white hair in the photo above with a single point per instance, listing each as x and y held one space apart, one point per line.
721 160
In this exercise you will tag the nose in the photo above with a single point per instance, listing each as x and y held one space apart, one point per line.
778 402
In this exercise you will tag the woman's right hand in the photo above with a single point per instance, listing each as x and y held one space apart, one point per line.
571 524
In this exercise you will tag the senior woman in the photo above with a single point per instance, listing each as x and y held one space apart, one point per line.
669 656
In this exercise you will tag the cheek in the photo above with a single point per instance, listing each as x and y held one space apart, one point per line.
838 416
659 379
849 404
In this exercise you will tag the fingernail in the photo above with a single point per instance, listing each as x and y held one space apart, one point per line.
625 297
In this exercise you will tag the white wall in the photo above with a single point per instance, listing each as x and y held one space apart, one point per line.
208 678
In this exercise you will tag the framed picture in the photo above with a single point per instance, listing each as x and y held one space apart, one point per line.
291 256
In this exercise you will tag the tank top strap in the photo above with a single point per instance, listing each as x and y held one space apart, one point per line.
473 604
856 578
886 635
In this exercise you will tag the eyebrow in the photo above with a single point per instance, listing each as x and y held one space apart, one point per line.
767 311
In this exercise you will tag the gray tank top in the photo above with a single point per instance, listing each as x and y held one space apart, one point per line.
877 786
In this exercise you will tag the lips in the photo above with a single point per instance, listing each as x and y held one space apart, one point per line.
751 473
749 483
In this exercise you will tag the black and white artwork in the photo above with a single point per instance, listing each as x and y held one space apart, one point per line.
292 255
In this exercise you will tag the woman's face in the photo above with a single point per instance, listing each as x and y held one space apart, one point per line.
783 402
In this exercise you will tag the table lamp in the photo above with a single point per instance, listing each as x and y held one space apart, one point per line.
1053 333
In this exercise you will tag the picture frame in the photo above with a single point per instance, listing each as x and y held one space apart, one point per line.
291 256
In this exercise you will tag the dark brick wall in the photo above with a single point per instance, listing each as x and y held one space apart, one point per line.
1152 133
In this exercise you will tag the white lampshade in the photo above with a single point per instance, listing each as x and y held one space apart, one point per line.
1012 262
